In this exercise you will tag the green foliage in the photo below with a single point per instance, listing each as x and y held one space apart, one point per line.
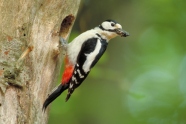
141 79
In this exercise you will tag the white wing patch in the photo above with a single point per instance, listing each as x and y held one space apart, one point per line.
71 85
91 57
74 79
80 75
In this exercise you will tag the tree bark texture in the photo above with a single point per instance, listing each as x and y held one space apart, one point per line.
30 58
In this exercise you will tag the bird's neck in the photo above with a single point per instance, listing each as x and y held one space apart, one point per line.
105 34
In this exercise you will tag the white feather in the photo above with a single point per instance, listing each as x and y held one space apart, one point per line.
91 57
74 47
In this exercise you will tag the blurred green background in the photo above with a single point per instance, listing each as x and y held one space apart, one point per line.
141 79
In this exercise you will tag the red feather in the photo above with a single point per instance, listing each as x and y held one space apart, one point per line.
68 72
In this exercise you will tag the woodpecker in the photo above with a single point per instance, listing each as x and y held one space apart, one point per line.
82 54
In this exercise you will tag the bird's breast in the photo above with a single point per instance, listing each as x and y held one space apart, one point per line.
74 47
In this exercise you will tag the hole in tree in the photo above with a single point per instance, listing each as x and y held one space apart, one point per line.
66 25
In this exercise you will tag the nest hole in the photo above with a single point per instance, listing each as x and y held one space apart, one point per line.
66 25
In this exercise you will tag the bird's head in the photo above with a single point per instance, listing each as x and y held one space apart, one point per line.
111 29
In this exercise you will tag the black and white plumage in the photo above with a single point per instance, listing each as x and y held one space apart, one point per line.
90 53
82 54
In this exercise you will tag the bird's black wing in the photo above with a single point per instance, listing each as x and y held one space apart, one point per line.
94 47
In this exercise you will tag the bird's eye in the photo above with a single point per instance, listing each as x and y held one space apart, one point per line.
112 24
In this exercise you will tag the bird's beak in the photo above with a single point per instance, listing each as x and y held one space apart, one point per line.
121 32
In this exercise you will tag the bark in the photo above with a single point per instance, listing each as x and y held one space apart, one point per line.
29 55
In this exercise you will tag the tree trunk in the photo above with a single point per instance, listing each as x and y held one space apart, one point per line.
30 58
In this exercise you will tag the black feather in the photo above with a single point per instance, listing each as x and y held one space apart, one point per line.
101 51
54 95
88 47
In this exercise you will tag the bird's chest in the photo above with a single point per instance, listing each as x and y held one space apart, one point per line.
73 51
74 48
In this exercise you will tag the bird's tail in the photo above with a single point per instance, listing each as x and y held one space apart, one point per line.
55 93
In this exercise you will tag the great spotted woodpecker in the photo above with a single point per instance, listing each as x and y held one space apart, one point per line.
82 54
